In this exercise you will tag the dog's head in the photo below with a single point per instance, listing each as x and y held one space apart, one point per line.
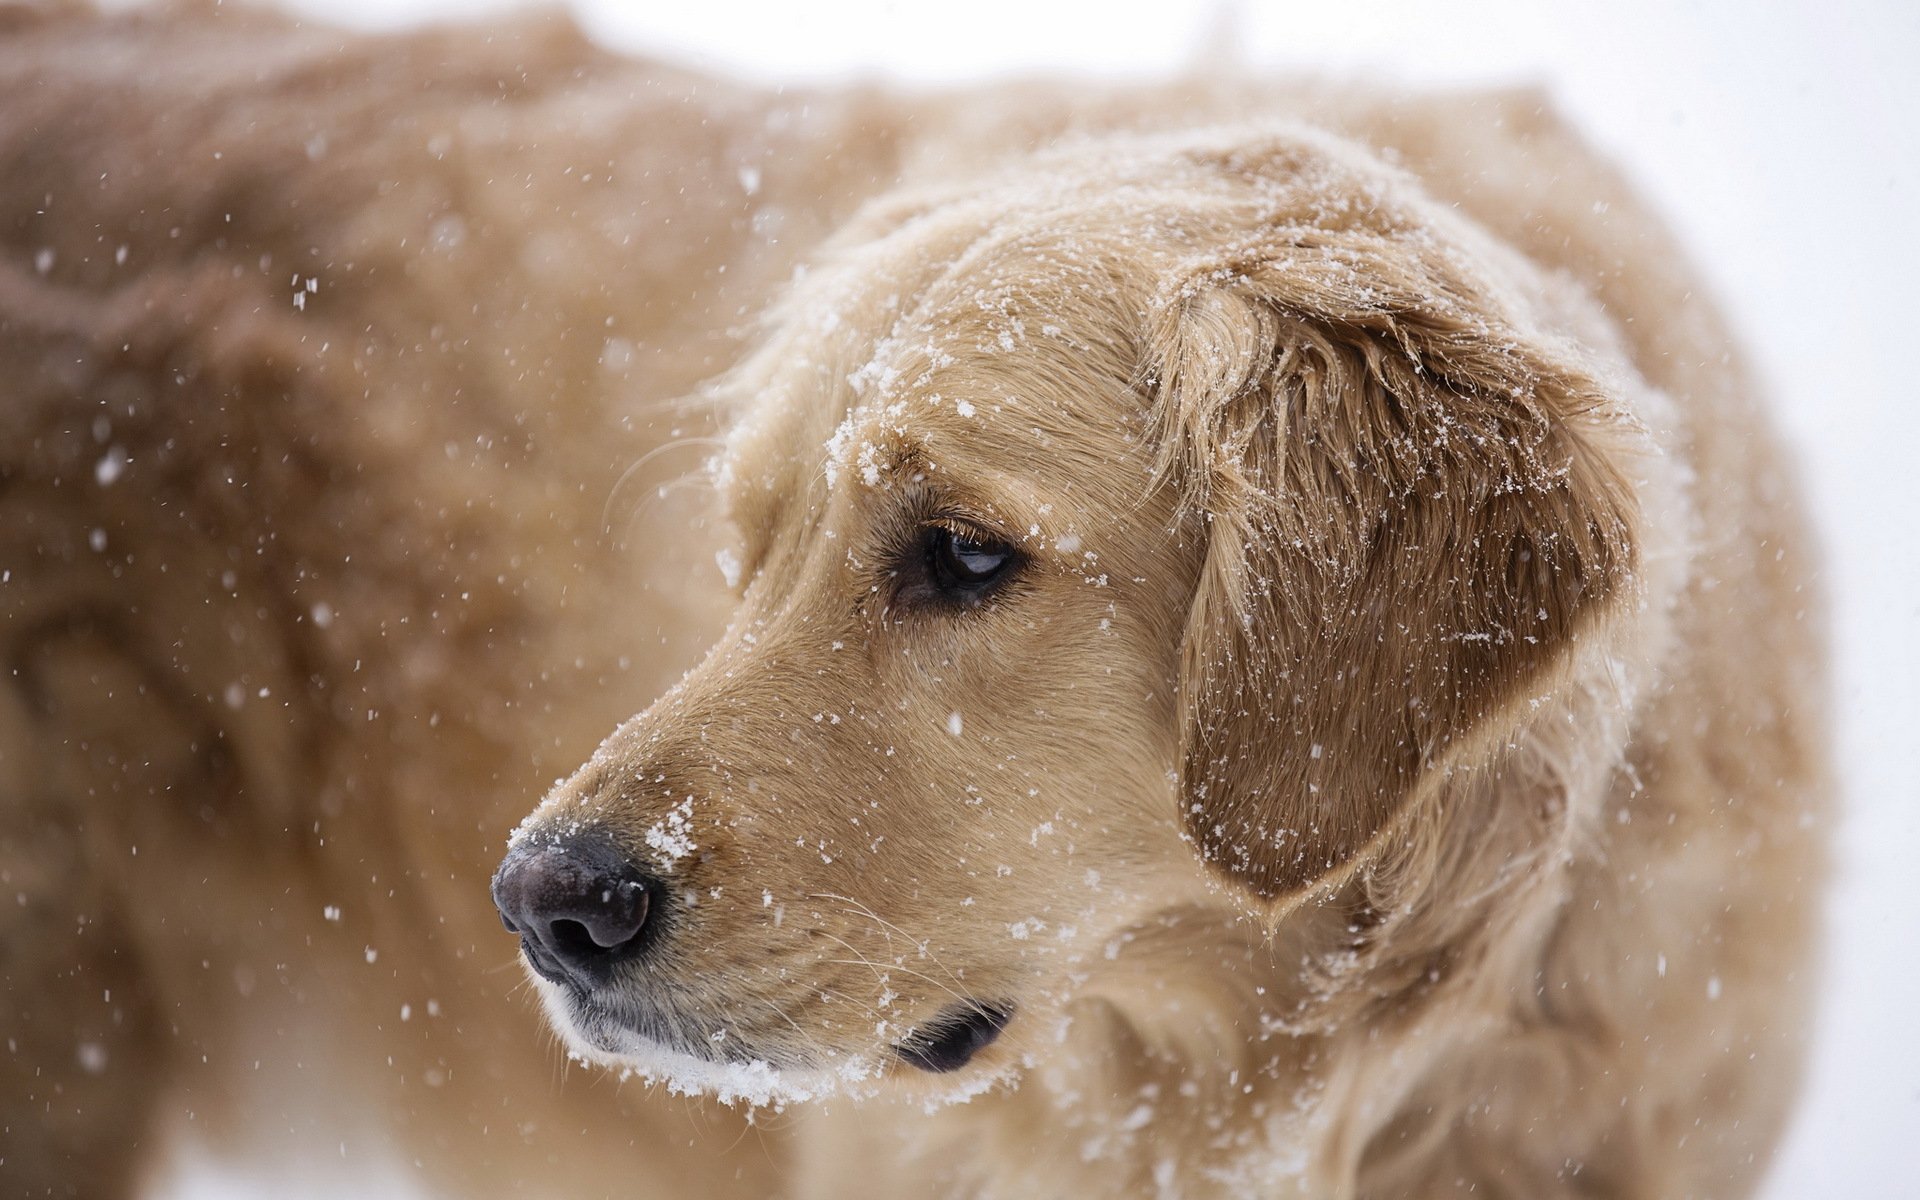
1170 521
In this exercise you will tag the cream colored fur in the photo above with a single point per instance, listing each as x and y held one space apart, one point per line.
1397 768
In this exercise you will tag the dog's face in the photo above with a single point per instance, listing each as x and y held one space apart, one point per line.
931 766
1104 541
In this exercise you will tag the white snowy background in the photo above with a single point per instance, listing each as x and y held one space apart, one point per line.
1782 139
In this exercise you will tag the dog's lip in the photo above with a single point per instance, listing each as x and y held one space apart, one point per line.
950 1041
606 1025
946 1043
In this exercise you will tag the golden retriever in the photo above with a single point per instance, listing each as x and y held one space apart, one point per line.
1273 650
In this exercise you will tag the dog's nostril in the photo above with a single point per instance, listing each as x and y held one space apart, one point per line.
619 919
569 939
580 906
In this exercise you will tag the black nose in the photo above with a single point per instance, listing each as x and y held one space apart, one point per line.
579 905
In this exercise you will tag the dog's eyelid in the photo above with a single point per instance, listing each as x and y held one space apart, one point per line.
971 514
974 529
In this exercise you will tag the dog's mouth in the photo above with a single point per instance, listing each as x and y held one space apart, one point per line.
945 1044
741 1054
613 1028
736 1071
950 1040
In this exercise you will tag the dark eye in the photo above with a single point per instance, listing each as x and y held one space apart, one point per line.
963 566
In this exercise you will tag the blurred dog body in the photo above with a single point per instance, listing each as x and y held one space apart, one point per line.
330 361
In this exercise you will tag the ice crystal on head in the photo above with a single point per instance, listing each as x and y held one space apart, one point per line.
870 465
837 449
671 835
720 470
730 567
876 374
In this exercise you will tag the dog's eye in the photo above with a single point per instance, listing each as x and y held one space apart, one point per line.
964 565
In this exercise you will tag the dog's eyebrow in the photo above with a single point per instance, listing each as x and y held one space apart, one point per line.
1004 503
939 478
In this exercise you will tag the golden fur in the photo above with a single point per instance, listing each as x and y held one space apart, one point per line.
1396 768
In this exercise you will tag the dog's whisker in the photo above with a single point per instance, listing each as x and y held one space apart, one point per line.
920 975
633 470
668 447
866 1009
693 479
852 949
512 964
921 946
884 976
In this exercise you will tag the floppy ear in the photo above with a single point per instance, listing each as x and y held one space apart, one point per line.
1411 525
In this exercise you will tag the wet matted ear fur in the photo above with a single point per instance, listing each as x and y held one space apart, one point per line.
1411 524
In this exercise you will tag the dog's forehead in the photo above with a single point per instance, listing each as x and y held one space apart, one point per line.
1023 349
1009 365
1014 409
1004 330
